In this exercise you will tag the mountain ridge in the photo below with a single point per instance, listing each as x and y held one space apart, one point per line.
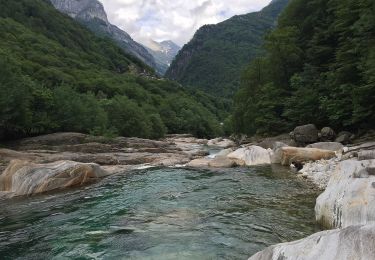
92 14
164 52
214 58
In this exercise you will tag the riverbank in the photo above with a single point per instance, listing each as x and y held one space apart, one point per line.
346 207
345 174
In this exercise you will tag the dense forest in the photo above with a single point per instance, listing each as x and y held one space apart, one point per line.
58 76
319 68
213 60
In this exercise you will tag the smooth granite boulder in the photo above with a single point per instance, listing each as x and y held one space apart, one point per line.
251 155
26 178
349 198
355 242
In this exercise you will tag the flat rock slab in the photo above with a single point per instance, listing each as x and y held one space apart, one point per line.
355 242
331 146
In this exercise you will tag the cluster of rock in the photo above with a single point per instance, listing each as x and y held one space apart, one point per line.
347 205
308 134
62 160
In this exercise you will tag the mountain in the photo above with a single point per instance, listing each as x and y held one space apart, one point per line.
214 58
58 76
91 13
163 52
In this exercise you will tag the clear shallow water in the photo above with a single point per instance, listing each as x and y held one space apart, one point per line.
161 214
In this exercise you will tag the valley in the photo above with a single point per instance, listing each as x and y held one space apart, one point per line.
254 139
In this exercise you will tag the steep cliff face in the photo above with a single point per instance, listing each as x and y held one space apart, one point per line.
163 52
91 13
214 58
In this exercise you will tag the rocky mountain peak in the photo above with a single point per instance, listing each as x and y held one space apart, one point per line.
82 9
91 13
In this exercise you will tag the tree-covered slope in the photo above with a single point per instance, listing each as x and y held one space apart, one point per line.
319 68
214 58
55 75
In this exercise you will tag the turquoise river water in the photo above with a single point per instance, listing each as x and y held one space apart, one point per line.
161 213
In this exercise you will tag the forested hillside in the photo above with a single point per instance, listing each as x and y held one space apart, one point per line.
214 58
55 75
319 68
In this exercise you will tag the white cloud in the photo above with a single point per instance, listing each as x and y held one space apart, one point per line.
175 20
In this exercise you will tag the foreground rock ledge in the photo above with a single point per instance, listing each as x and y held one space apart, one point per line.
354 242
26 178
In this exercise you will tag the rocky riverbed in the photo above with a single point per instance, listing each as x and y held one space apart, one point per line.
344 172
346 205
62 160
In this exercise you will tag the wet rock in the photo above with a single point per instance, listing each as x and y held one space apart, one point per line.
355 242
327 134
292 155
305 134
344 137
25 178
332 146
349 198
252 155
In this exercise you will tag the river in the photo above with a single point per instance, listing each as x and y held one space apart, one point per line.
162 213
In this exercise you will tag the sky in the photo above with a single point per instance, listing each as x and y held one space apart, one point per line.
175 20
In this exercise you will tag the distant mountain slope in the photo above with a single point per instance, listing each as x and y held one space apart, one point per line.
58 76
91 13
164 52
214 58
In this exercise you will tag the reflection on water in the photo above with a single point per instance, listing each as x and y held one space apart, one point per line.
161 214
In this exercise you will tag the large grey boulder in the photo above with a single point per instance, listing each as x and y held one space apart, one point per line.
26 178
349 198
355 242
331 146
327 134
305 134
251 155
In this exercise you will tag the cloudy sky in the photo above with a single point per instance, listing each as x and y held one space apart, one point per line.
175 20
